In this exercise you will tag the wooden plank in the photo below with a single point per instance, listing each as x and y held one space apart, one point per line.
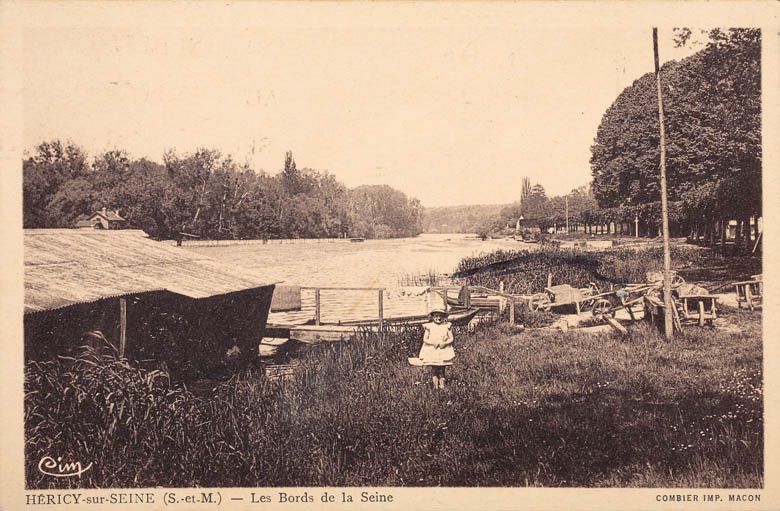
617 326
701 312
325 333
343 288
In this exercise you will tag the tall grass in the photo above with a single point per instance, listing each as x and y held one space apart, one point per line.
532 408
525 272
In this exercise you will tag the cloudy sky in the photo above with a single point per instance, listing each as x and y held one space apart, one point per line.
451 104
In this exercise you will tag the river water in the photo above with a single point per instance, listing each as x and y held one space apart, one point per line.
372 263
391 264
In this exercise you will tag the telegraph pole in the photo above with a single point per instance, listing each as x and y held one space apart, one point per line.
668 305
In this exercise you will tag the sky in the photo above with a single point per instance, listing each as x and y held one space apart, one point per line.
450 106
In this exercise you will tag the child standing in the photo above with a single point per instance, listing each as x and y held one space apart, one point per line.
437 350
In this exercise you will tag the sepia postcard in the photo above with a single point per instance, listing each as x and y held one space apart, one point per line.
389 255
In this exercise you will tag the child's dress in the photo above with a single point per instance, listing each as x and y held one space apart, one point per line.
437 334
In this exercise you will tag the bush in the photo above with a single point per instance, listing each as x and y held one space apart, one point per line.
525 272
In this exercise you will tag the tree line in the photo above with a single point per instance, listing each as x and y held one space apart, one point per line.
712 107
536 209
207 194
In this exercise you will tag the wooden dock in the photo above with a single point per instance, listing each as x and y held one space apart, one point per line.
333 314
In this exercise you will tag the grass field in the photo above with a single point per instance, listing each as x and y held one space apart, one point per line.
530 408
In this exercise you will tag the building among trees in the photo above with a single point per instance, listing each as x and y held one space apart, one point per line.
103 219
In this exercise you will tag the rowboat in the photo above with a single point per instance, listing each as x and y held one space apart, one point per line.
271 346
313 334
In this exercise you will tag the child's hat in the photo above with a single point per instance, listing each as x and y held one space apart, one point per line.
438 311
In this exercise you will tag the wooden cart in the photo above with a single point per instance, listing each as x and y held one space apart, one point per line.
700 309
562 294
749 292
607 304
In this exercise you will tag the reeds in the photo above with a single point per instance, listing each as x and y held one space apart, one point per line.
526 272
534 408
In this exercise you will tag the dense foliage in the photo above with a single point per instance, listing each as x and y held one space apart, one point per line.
526 272
536 209
712 107
463 219
209 195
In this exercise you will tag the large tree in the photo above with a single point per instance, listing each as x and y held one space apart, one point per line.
57 185
712 103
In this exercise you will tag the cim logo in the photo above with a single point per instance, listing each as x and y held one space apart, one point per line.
56 468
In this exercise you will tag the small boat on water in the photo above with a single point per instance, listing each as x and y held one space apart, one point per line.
312 334
456 316
357 240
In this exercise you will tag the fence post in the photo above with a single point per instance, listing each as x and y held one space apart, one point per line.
317 306
381 309
122 326
511 312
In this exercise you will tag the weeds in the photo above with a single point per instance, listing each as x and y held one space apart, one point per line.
526 272
527 409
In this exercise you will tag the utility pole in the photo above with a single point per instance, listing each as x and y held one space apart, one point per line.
567 214
668 305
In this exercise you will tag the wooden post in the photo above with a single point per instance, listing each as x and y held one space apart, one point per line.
748 296
511 312
381 310
668 320
316 306
549 279
122 326
501 299
701 312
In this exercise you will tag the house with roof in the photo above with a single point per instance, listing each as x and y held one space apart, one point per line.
144 299
103 219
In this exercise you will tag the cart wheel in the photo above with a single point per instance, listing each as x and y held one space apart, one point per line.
677 279
586 293
538 301
602 308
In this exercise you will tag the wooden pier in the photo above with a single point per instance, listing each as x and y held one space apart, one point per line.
332 314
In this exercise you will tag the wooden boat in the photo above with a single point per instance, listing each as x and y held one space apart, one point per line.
357 240
312 334
480 300
271 346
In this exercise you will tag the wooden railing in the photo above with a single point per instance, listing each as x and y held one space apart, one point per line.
317 302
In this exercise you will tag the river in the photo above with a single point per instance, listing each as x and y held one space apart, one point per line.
372 263
391 264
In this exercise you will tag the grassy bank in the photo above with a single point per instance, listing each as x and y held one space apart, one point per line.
531 408
525 272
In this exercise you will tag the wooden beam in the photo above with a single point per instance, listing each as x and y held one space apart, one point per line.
382 309
343 288
617 326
